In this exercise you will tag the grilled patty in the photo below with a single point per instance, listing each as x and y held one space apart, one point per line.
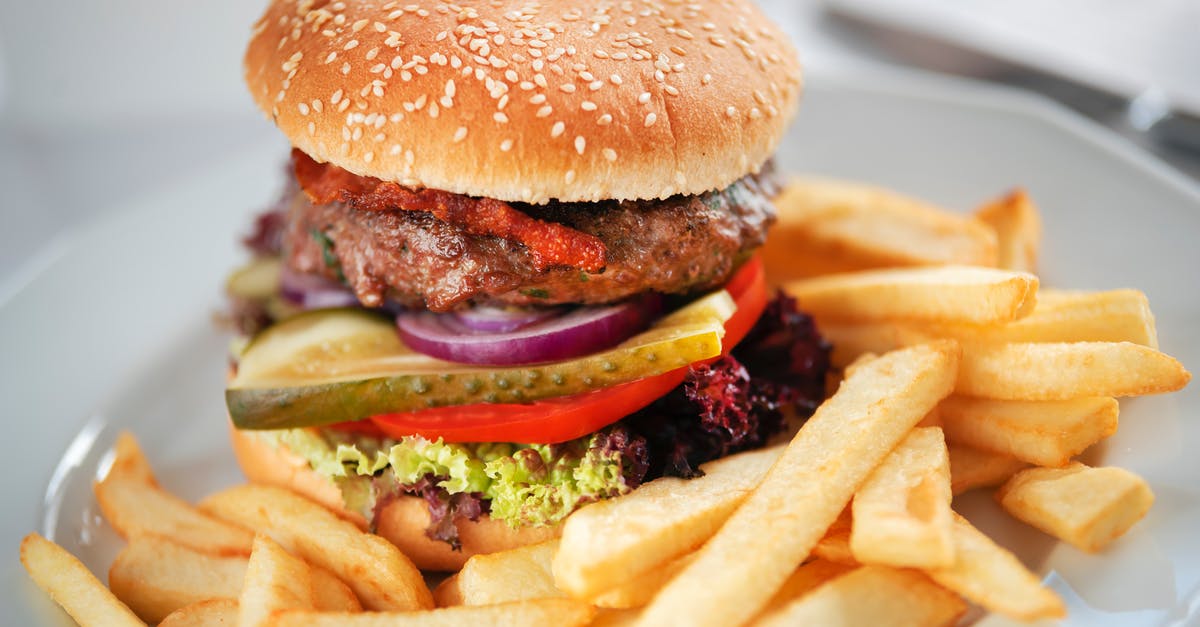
674 246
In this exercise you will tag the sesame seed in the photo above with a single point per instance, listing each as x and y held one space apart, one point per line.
537 99
500 117
644 97
350 45
345 68
317 105
731 112
570 177
544 111
506 145
609 154
580 144
460 134
359 25
568 88
604 120
330 57
588 105
651 118
369 157
615 79
303 108
557 129
706 79
372 53
755 113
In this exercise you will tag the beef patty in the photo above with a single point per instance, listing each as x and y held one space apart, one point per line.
674 246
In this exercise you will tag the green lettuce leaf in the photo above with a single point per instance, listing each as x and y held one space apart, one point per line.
523 484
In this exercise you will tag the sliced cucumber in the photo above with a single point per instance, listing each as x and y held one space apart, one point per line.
337 365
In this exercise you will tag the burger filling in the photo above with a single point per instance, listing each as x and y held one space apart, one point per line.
775 376
343 240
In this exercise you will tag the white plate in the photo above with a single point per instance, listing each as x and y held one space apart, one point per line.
114 332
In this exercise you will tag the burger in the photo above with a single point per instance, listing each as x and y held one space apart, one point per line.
513 269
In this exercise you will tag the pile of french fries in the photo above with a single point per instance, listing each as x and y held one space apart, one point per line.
956 371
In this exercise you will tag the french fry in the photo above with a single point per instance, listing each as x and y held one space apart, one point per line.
961 294
638 591
447 594
902 512
155 577
1061 371
806 579
607 543
994 578
834 546
775 528
512 575
203 614
547 612
1046 433
972 468
134 505
872 595
379 574
852 340
72 585
609 617
1113 316
827 226
1088 507
275 581
1018 229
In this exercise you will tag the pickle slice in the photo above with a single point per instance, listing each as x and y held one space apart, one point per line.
257 280
338 365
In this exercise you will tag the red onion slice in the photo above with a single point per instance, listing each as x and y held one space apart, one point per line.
580 332
314 292
489 319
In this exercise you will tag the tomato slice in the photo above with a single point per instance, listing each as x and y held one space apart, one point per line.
565 418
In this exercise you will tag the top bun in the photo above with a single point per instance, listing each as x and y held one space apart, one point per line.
520 100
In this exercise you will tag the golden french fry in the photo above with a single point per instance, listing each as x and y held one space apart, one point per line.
275 580
1046 433
203 614
547 612
1056 371
134 505
379 574
607 543
852 340
775 528
902 512
447 594
827 226
610 617
934 294
834 546
994 578
156 577
1088 507
513 575
806 579
872 595
972 468
1113 316
1018 229
638 591
72 585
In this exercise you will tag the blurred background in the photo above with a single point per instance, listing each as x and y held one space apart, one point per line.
101 102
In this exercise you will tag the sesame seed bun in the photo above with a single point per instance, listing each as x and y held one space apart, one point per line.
402 522
525 101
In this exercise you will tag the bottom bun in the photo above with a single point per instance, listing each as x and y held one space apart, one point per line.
402 522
